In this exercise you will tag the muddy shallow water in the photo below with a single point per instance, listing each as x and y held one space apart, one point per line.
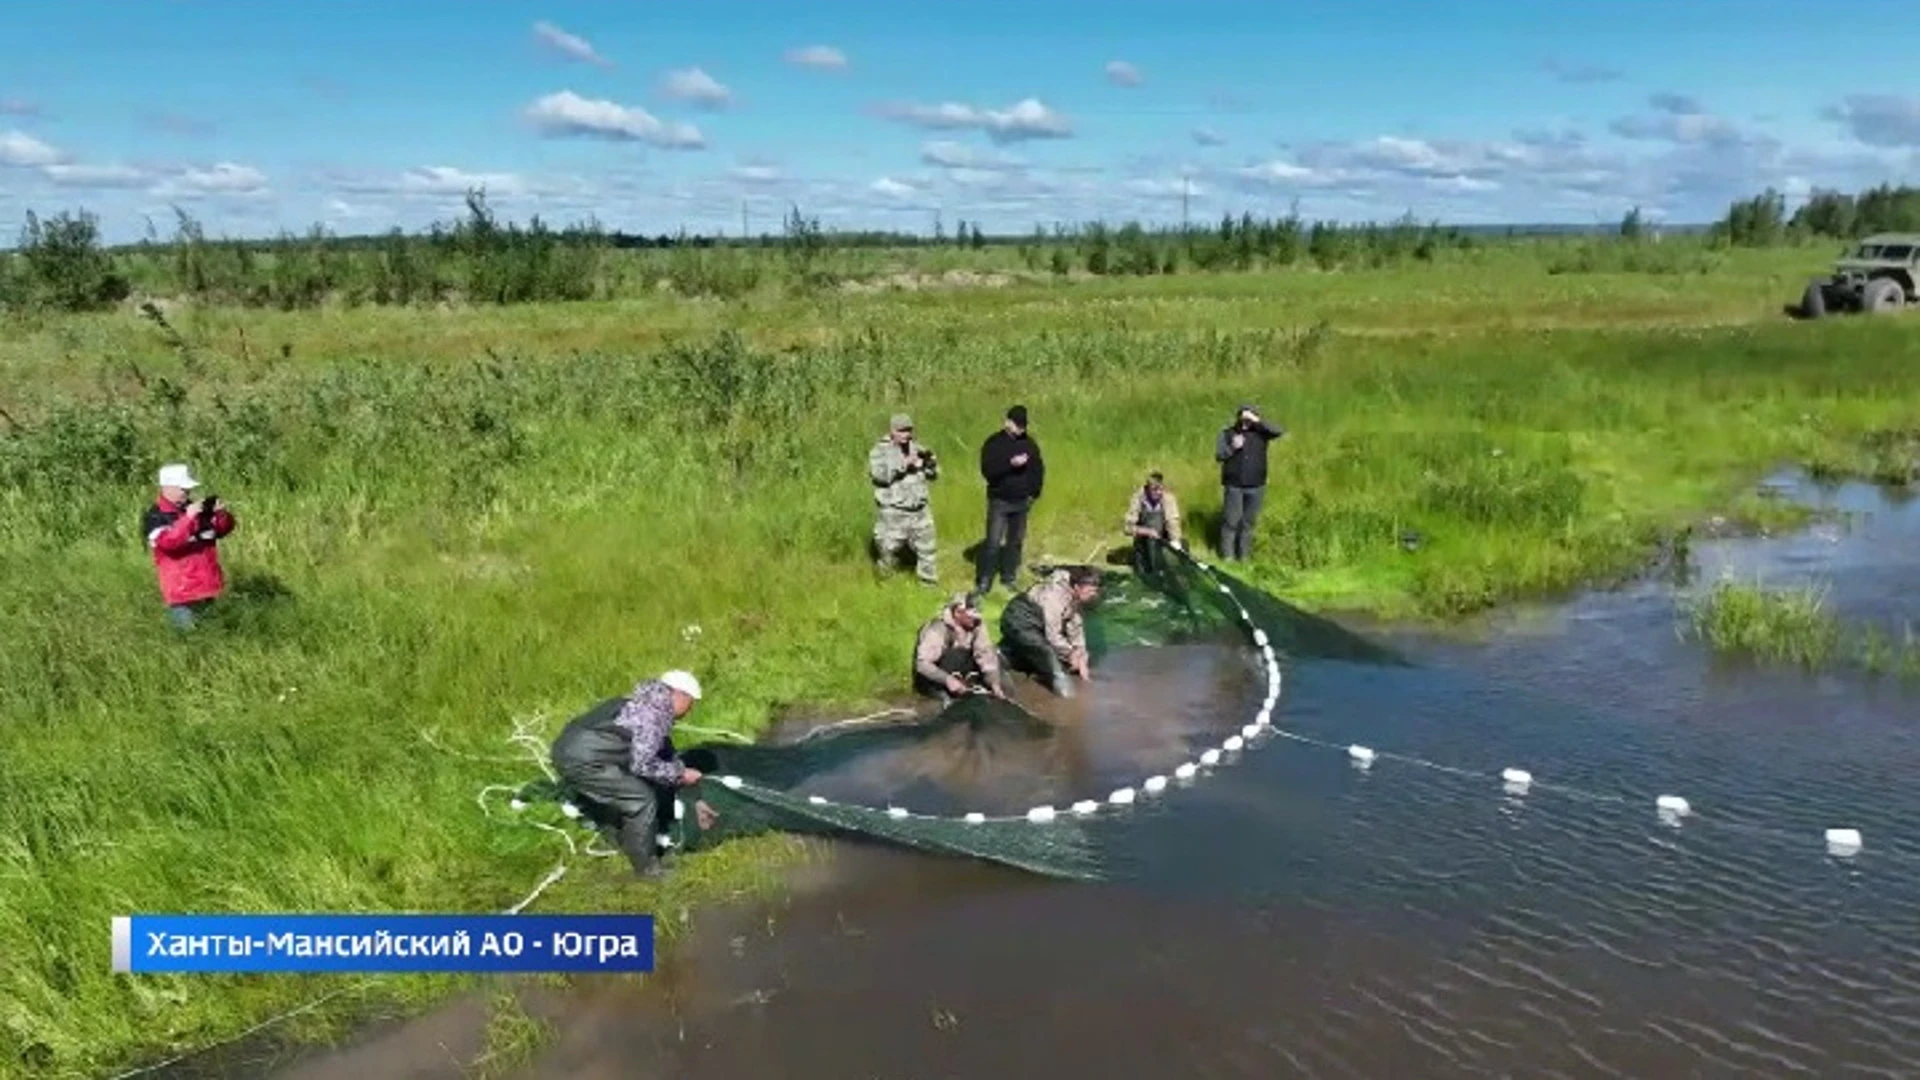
1292 915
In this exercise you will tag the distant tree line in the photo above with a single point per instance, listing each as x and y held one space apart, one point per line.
1763 221
61 263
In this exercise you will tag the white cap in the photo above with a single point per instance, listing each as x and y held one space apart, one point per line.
683 682
177 476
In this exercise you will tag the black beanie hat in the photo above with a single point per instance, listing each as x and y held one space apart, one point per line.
1018 414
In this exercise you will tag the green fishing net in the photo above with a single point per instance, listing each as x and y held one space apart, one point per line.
801 785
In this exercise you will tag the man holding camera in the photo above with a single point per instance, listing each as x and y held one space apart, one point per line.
902 472
1241 451
182 532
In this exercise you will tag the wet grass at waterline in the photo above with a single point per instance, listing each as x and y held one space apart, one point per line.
429 551
1794 626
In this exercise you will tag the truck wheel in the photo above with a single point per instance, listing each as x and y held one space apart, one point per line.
1813 303
1883 296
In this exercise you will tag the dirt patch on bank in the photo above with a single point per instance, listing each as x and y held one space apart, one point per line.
912 281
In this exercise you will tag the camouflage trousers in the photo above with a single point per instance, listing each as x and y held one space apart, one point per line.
896 531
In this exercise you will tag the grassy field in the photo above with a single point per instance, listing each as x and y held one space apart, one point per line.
451 520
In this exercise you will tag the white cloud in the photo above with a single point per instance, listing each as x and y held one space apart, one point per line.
1281 173
19 150
1879 119
821 57
896 189
1027 119
1677 118
569 45
567 114
1208 137
755 174
696 86
947 154
97 176
1166 189
1540 176
1121 73
224 178
433 180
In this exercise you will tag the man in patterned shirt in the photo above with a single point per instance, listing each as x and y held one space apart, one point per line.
620 757
1043 633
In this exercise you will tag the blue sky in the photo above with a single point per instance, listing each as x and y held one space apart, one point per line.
652 115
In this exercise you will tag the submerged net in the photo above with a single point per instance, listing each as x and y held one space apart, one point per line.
802 785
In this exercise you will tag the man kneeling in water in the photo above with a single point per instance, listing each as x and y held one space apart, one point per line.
1043 633
953 654
622 760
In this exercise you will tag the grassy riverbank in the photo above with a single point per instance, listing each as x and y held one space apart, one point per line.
453 520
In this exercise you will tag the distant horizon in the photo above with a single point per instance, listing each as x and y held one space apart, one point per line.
1540 228
364 117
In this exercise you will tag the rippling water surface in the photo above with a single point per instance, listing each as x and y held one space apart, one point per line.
1293 915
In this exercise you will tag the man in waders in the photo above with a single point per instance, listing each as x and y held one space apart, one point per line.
621 758
1153 518
1042 632
953 655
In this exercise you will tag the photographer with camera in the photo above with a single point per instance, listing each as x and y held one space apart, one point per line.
902 472
182 532
1241 451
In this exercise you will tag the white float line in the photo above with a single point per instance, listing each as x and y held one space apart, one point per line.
1670 809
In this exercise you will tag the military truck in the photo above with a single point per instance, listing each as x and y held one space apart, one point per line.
1877 277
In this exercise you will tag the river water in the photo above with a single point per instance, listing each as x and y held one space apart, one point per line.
1296 915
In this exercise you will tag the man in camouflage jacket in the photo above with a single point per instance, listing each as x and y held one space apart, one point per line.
902 471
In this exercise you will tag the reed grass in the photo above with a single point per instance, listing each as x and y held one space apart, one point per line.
1795 626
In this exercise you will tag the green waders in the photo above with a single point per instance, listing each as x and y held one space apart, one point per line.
958 661
1023 642
593 756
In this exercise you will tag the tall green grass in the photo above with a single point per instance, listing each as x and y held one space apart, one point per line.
1794 626
432 547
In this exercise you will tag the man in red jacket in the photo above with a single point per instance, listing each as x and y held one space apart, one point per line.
182 532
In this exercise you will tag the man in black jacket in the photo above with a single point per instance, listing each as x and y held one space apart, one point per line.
1011 465
1241 451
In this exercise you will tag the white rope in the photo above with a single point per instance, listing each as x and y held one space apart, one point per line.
870 718
255 1029
521 736
733 736
559 871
